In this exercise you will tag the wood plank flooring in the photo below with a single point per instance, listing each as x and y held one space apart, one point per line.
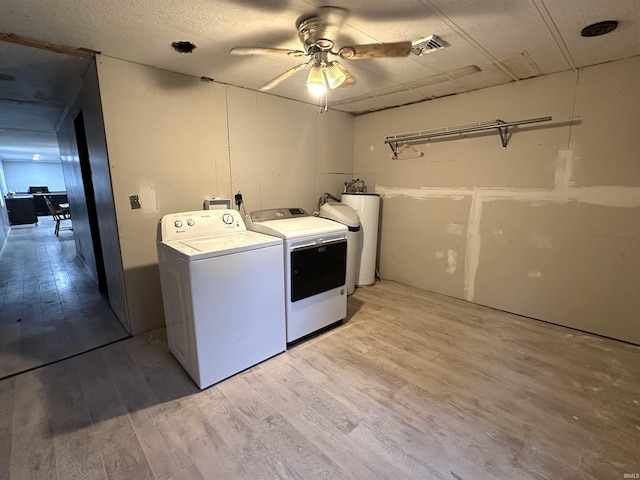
413 386
50 307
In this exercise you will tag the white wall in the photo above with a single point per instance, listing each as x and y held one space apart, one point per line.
20 175
548 228
175 140
4 217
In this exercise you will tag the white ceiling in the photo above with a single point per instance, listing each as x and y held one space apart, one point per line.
491 42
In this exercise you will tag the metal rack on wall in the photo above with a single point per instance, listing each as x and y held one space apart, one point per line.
395 142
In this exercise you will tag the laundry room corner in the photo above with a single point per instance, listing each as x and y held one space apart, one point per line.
286 153
544 226
175 140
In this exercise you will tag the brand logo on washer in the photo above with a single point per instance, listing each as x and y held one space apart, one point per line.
342 292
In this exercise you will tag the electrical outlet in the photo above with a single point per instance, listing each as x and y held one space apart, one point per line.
134 201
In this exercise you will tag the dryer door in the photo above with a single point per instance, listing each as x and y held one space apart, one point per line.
317 268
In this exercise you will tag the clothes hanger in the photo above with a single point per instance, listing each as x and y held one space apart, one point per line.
412 152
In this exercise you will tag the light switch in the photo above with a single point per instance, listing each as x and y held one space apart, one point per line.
134 201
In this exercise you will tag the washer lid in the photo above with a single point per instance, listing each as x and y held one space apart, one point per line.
298 227
217 245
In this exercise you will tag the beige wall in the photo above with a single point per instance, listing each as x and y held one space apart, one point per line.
548 228
175 140
284 153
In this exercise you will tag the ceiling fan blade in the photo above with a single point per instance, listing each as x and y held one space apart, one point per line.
375 50
283 76
265 51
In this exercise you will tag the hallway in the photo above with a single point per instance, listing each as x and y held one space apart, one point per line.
50 306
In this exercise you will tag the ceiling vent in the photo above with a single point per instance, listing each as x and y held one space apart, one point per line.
428 45
600 28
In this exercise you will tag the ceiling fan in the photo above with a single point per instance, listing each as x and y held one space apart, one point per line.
316 31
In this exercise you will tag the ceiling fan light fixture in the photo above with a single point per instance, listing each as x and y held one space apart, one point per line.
335 76
316 32
315 81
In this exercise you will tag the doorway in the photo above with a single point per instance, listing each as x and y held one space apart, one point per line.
54 302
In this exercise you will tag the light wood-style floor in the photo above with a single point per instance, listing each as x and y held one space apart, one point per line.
50 307
414 386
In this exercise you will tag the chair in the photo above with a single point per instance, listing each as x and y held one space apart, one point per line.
58 216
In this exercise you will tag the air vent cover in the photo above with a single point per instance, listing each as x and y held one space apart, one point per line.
428 45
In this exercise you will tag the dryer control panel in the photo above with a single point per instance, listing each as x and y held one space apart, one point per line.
199 223
277 214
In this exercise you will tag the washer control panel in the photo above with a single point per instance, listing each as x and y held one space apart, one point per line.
199 223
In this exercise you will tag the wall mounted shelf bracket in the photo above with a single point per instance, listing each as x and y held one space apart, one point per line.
396 141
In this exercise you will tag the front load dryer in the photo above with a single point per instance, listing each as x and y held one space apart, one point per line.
315 259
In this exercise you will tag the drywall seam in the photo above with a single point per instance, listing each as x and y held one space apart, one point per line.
455 228
226 106
148 198
472 254
524 194
555 33
452 261
573 107
470 40
604 195
421 193
564 171
609 196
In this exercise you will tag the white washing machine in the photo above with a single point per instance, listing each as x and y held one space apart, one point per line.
222 291
315 259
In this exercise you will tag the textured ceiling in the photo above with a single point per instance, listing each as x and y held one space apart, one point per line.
490 42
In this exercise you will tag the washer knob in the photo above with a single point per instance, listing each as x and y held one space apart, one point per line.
227 218
177 223
191 222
